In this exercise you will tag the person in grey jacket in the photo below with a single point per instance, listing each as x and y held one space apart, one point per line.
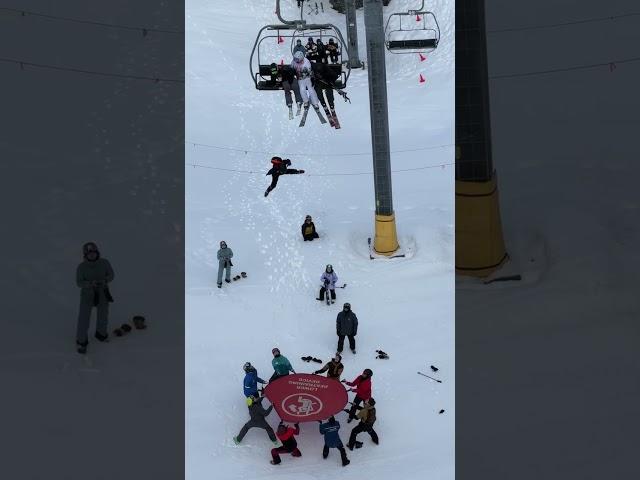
347 326
258 419
225 254
93 276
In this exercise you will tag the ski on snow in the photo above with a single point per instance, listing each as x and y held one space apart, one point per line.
303 120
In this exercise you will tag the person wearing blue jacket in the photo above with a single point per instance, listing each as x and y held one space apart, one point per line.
332 439
251 380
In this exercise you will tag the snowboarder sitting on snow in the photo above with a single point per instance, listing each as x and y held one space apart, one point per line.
92 277
251 380
225 254
279 168
367 416
333 367
328 279
332 49
258 419
286 434
347 326
309 229
332 439
363 391
281 365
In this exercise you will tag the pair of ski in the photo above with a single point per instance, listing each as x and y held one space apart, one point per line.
333 118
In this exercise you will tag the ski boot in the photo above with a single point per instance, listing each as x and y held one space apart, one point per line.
236 441
101 337
220 285
82 347
353 350
227 280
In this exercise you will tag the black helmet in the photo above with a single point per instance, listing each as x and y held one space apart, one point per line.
308 217
223 244
367 372
329 268
331 40
247 366
337 357
372 402
347 306
319 40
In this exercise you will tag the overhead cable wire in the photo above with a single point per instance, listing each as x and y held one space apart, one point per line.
23 64
611 66
144 30
562 24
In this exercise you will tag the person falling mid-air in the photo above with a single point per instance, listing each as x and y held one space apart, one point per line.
280 167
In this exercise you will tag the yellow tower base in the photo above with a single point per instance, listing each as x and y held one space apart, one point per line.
479 241
386 239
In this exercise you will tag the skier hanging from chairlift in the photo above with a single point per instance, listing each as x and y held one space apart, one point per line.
324 78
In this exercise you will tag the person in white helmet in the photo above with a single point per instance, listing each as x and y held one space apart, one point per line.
302 66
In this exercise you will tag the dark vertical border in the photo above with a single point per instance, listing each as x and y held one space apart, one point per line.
91 149
547 367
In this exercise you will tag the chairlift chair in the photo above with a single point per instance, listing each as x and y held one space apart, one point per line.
425 36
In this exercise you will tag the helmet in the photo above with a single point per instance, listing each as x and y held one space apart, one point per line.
298 42
247 366
368 372
308 217
310 40
331 40
276 160
371 402
298 56
337 356
347 306
223 244
282 428
275 350
329 268
319 40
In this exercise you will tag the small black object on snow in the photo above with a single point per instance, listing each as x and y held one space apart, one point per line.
434 369
441 411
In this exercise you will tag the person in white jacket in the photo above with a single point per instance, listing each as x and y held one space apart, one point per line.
302 66
328 279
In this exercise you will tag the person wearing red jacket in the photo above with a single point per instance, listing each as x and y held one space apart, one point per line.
286 434
363 391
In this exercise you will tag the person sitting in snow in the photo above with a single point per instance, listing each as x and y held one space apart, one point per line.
281 365
309 229
258 419
328 279
367 416
286 434
332 439
251 380
279 168
333 367
362 391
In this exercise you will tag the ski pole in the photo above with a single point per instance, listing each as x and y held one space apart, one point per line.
439 381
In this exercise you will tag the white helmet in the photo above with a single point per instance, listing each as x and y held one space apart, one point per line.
298 56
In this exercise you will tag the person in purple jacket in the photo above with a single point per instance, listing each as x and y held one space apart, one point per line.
328 279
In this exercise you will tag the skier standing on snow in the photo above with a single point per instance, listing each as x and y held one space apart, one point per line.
281 365
302 66
279 168
309 229
251 380
93 276
324 78
367 416
286 434
225 254
258 419
332 439
347 326
333 367
363 391
329 279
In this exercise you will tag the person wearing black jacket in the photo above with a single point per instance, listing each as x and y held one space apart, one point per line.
324 78
258 419
279 168
347 326
287 76
309 229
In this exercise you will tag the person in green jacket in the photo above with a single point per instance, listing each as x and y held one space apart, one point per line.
281 365
93 277
225 254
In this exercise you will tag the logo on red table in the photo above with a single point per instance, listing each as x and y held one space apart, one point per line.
302 404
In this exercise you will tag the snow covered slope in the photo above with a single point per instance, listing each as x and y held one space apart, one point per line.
405 306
